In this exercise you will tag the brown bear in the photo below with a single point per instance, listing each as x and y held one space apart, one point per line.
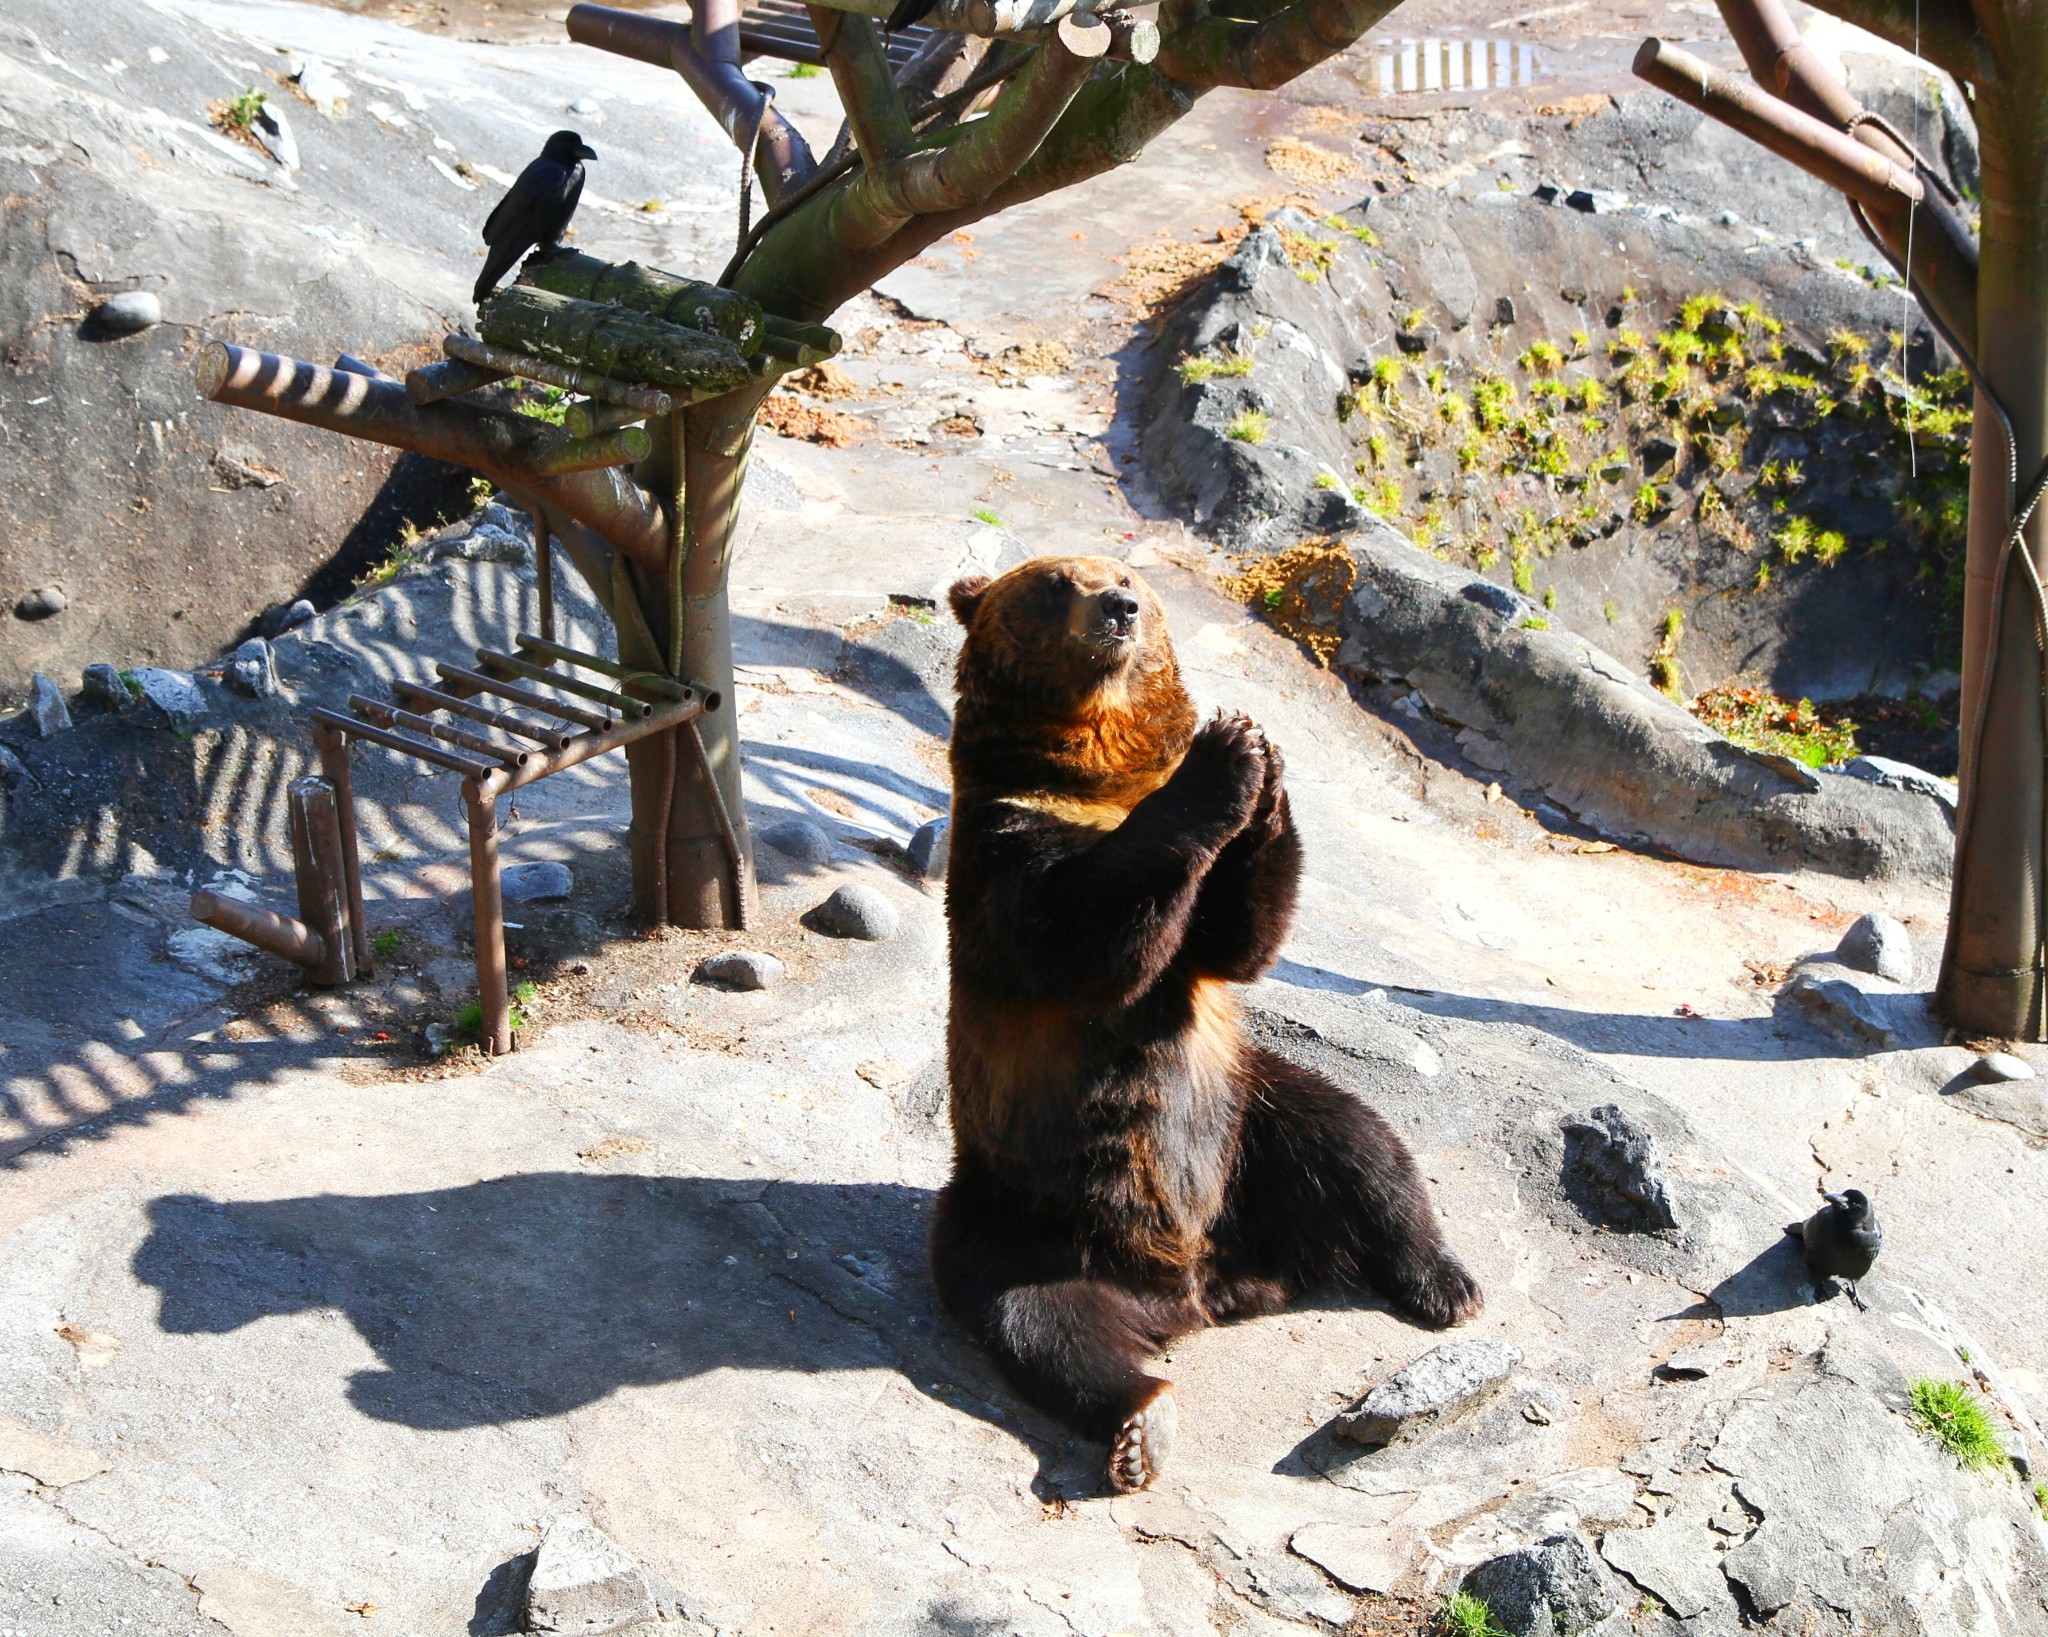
1127 1166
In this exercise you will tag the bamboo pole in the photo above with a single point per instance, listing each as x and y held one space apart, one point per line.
592 416
457 677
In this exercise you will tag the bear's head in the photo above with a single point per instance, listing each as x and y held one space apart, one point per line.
1067 661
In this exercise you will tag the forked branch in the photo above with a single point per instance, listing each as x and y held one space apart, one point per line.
1206 51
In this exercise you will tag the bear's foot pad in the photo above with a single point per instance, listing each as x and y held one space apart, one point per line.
1143 1443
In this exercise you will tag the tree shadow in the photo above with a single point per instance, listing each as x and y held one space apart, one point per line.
532 1295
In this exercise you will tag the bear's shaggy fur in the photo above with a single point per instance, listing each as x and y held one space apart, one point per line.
1127 1166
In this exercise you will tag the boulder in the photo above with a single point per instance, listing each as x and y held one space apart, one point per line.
541 882
930 848
856 911
173 693
799 839
1445 1382
284 616
1612 1167
102 685
1556 1588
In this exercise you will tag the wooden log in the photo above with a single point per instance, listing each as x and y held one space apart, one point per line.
450 378
621 448
507 361
697 306
592 416
616 342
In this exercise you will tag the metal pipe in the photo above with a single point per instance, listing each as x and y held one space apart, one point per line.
552 737
586 745
619 702
726 832
334 767
316 862
1840 161
487 894
391 717
280 935
398 742
651 400
449 378
477 682
667 687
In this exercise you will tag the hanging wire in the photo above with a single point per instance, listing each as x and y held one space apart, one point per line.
747 155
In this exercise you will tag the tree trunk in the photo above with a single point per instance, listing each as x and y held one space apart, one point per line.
1992 981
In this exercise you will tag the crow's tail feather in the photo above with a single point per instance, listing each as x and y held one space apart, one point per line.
908 12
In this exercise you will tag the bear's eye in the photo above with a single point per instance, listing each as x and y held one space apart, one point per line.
1124 580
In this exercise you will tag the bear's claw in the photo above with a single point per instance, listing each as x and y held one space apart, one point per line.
1143 1443
1445 1295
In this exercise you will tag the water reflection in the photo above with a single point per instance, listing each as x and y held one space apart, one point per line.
1456 65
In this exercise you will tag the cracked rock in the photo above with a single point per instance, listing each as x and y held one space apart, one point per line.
1612 1164
1555 1588
584 1583
1879 944
1445 1382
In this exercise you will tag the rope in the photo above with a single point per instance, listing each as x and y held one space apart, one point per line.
747 155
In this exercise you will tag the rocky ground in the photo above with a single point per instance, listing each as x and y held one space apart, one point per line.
309 1329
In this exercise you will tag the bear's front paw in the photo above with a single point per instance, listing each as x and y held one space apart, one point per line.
1229 755
1442 1294
1143 1442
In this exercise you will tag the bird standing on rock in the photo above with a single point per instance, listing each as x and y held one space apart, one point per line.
1842 1239
536 209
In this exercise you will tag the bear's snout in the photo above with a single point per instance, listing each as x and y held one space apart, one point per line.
1118 612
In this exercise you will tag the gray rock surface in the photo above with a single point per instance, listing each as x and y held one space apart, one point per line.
857 910
1603 744
253 669
173 693
1878 944
101 685
1895 775
13 770
930 847
1863 1012
1444 1383
797 838
47 711
1612 1164
584 1585
542 881
740 969
130 312
1555 1588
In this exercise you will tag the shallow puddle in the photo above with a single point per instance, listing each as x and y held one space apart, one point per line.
1426 66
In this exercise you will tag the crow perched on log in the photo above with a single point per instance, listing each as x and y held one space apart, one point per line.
1842 1239
536 209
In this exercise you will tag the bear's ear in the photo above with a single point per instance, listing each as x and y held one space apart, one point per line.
966 597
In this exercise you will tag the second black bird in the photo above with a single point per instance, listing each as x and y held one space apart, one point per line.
1842 1239
536 209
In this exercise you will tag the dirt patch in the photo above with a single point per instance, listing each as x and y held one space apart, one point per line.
793 418
826 381
1311 166
1299 592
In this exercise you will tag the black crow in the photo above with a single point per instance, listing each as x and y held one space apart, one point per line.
1842 1239
908 12
537 208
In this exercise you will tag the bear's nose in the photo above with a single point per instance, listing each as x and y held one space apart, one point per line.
1119 610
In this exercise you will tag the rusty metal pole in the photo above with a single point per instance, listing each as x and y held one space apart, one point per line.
334 767
323 891
482 804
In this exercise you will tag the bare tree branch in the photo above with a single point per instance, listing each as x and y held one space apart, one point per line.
942 64
1210 51
1942 31
973 160
867 89
783 159
509 449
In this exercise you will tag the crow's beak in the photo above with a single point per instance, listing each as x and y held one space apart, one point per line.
586 153
1836 1200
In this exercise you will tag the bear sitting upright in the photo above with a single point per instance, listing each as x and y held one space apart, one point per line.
1127 1166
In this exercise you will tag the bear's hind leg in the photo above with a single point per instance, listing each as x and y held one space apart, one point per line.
1325 1189
1075 1347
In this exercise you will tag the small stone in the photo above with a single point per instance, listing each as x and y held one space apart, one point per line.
13 770
930 847
584 105
1556 1588
740 969
1537 1414
102 685
1595 201
172 692
1504 310
2002 1066
46 707
1877 943
1611 1159
284 616
42 603
583 1582
274 131
857 911
1697 1362
1447 1380
324 89
130 312
2016 1451
799 839
253 670
439 1039
1418 340
536 883
1728 218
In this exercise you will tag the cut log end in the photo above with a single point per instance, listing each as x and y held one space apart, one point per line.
211 372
